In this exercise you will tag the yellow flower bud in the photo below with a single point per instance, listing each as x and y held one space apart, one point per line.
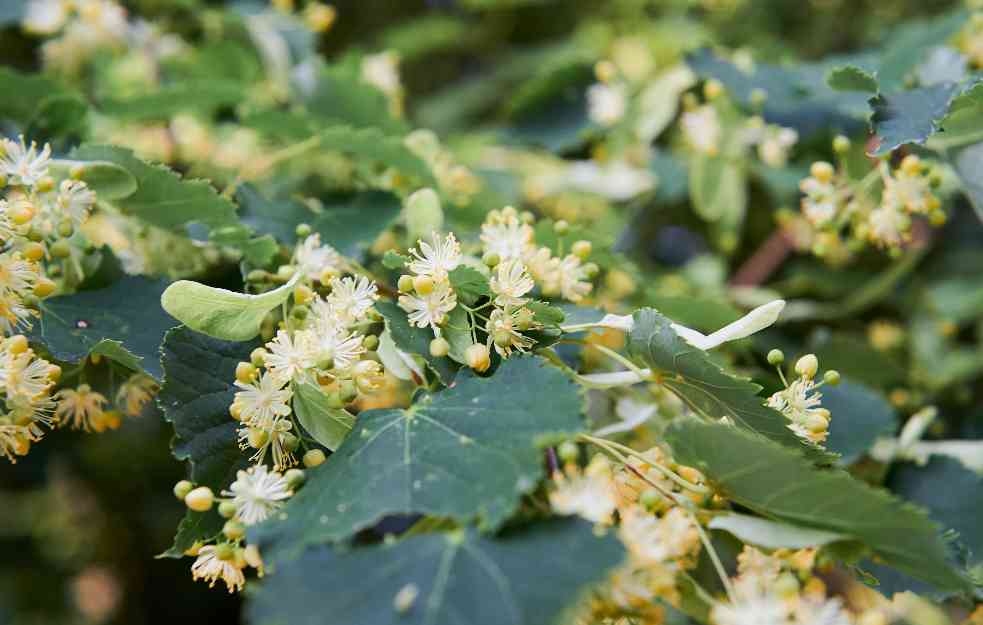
807 366
182 488
439 347
405 284
33 251
233 530
581 249
44 287
246 372
17 344
423 285
200 499
822 171
313 458
477 357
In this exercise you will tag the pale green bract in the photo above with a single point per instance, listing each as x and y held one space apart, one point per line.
220 313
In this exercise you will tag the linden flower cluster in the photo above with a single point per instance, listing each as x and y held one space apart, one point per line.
832 202
26 381
322 344
36 217
517 266
252 498
651 500
781 589
800 400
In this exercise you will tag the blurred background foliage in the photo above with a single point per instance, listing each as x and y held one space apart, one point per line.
82 516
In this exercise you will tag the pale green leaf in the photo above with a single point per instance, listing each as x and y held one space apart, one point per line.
220 313
470 285
108 180
413 340
329 426
468 453
772 534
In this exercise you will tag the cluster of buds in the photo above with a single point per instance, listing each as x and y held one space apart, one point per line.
322 341
26 382
37 215
833 203
800 400
255 495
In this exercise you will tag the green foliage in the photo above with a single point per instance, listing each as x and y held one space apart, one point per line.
350 222
861 416
703 386
199 97
329 426
469 284
852 78
413 340
455 575
220 313
467 453
123 322
162 197
195 396
108 180
778 482
909 116
772 534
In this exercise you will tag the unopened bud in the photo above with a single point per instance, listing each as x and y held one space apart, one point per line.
200 499
807 366
439 347
477 357
313 458
182 488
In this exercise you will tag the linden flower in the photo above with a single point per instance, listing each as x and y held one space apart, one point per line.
436 260
571 279
510 282
22 164
429 310
289 358
261 402
382 72
334 347
606 104
816 611
888 226
589 494
506 235
135 393
81 407
655 540
17 275
257 493
75 200
15 440
13 313
800 404
911 191
701 127
352 297
210 567
279 441
313 258
761 609
45 17
775 145
501 327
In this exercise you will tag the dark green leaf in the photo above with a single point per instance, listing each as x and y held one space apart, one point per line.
162 197
413 340
778 482
467 453
702 385
909 116
329 426
123 322
470 285
341 98
195 397
529 576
